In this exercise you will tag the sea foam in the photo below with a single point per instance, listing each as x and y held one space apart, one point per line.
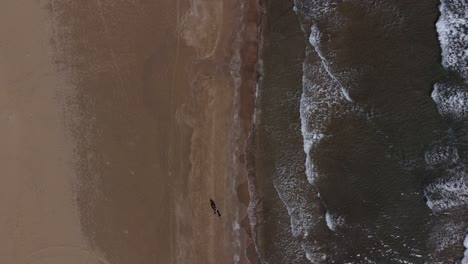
442 155
465 255
301 210
322 100
448 192
451 99
333 221
453 35
446 233
451 96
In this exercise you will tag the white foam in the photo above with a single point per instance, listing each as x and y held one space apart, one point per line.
322 99
441 155
313 10
449 191
315 257
332 221
453 35
314 39
345 93
300 210
255 206
313 253
310 138
465 255
451 100
445 235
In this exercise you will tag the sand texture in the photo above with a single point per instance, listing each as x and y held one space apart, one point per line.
119 121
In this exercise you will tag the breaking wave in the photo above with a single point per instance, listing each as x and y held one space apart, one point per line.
448 192
452 27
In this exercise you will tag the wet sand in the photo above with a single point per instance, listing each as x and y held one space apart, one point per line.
134 130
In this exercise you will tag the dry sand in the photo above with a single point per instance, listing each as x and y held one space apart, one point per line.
39 220
117 128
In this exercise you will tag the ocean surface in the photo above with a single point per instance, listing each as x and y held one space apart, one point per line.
361 132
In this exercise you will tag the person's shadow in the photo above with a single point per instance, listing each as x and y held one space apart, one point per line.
213 206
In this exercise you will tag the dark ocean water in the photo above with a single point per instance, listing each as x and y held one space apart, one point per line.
361 132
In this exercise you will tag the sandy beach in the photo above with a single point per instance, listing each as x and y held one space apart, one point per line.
39 214
120 120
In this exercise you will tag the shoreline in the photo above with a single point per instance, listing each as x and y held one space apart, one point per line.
245 75
275 152
253 253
